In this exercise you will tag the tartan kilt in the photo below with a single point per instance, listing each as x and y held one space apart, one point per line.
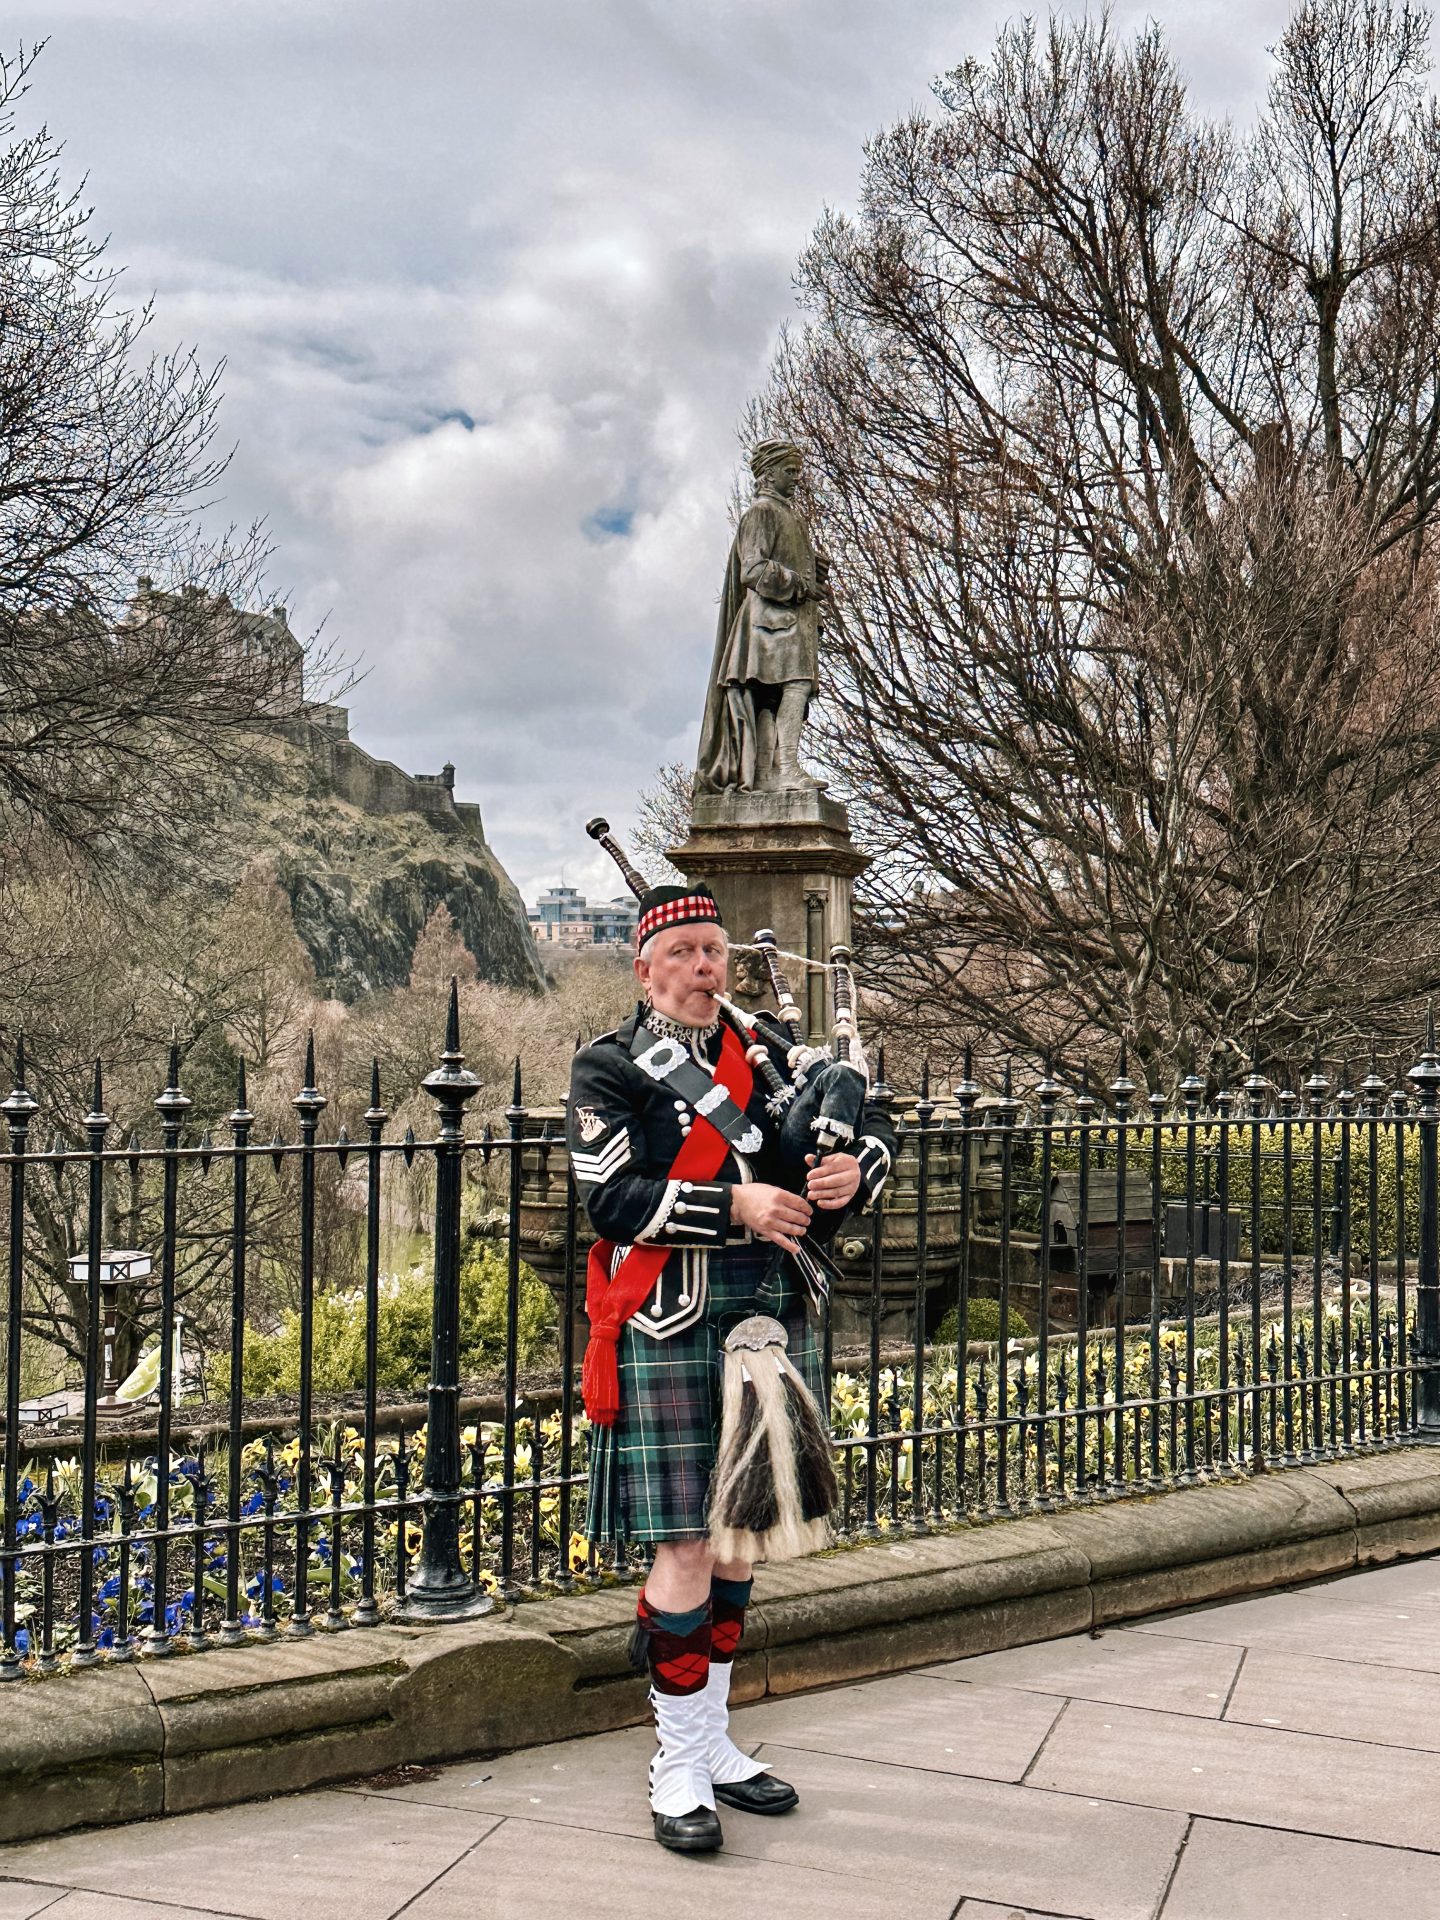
650 1472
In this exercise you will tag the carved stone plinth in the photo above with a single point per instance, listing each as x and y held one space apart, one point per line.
783 860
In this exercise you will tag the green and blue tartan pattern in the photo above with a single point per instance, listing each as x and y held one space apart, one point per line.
650 1473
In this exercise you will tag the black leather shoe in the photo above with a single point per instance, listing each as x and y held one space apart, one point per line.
697 1832
763 1794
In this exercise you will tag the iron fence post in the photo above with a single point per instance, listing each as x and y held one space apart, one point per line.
440 1588
367 1613
309 1104
924 1114
1122 1091
96 1123
515 1121
232 1627
19 1108
172 1104
1425 1077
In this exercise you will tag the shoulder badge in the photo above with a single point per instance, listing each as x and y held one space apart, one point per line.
588 1123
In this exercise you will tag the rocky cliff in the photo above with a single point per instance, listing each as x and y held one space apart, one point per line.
366 853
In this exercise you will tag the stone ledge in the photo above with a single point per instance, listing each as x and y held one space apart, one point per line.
120 1743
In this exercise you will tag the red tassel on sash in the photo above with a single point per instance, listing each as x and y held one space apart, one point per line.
610 1303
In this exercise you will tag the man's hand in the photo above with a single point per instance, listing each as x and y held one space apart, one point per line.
772 1213
834 1181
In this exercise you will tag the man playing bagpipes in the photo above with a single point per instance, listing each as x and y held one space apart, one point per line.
704 1177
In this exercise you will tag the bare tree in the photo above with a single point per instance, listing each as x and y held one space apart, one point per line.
1124 437
211 980
662 820
116 727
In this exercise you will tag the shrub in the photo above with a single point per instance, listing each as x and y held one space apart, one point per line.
272 1361
982 1322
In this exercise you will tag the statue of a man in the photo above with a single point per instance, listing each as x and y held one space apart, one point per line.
767 646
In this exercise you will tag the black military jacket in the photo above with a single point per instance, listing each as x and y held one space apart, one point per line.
624 1131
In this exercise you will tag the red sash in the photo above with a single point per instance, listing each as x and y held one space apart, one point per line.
610 1303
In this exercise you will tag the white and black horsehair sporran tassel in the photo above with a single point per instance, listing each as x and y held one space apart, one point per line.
774 1477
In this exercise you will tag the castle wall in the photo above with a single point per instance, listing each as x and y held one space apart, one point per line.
378 786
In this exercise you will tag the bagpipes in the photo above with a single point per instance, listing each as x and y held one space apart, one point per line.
774 1484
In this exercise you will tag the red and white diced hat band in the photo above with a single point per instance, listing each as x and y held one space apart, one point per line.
674 907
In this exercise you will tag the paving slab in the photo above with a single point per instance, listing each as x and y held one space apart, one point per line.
1297 1782
21 1900
910 1721
1350 1700
987 1910
597 1784
1254 1873
526 1871
1396 1633
1127 1668
326 1856
1416 1579
110 1906
982 1839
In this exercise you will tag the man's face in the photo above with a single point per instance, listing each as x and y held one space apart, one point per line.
682 970
786 478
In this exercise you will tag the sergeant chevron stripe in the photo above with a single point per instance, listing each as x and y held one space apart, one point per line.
594 1169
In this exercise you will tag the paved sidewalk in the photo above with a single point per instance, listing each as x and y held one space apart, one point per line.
1277 1757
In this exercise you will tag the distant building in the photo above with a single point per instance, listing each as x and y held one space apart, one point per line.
616 920
563 917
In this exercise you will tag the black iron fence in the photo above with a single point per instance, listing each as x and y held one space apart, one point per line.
1093 1295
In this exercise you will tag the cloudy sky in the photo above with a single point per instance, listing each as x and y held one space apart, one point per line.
494 280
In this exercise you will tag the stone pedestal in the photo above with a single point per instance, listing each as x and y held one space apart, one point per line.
783 860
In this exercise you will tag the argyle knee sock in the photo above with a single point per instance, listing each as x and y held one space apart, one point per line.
727 1762
728 1601
676 1646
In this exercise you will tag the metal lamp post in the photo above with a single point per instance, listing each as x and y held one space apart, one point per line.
118 1267
440 1588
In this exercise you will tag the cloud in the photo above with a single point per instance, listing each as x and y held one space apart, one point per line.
493 285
